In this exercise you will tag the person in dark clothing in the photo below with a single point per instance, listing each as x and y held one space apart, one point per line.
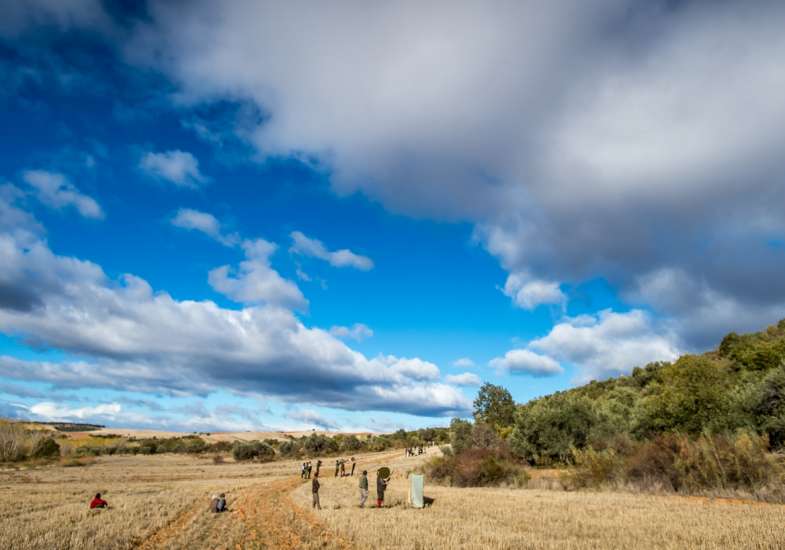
381 486
363 488
218 503
308 470
354 465
98 502
318 466
337 466
315 491
343 467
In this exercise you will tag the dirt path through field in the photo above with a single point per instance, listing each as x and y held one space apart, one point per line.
261 516
273 521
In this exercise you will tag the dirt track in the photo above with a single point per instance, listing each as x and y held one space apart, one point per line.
261 516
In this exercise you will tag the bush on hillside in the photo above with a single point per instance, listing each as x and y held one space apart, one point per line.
476 468
253 450
45 447
676 462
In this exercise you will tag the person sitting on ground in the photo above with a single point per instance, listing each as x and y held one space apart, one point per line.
218 503
98 502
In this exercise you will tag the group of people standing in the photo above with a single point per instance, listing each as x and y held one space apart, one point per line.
381 487
414 451
340 467
305 471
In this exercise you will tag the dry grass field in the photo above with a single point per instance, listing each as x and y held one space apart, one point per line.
161 501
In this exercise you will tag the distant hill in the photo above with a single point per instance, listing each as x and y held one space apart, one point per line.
64 426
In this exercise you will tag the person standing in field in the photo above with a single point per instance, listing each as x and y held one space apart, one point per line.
98 502
337 466
381 486
354 464
315 491
363 488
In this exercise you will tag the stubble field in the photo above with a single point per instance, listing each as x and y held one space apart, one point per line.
161 501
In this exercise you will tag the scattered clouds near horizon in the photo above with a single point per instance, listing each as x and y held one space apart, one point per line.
188 218
463 379
306 246
357 332
55 191
313 419
178 167
131 338
58 411
605 344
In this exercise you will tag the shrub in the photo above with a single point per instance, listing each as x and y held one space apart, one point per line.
739 462
351 443
289 448
253 450
476 468
14 442
317 444
460 435
45 447
594 468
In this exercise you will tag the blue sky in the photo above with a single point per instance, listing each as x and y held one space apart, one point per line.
246 216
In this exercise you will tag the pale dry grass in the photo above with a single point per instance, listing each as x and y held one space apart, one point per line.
521 519
160 501
47 508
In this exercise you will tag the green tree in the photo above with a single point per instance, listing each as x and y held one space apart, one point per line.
548 429
692 397
460 435
494 405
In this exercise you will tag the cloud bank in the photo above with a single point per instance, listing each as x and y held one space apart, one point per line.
125 336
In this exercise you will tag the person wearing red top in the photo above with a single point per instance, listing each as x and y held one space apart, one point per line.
98 502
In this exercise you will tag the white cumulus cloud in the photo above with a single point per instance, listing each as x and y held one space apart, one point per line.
307 246
178 167
188 218
524 361
55 191
255 281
